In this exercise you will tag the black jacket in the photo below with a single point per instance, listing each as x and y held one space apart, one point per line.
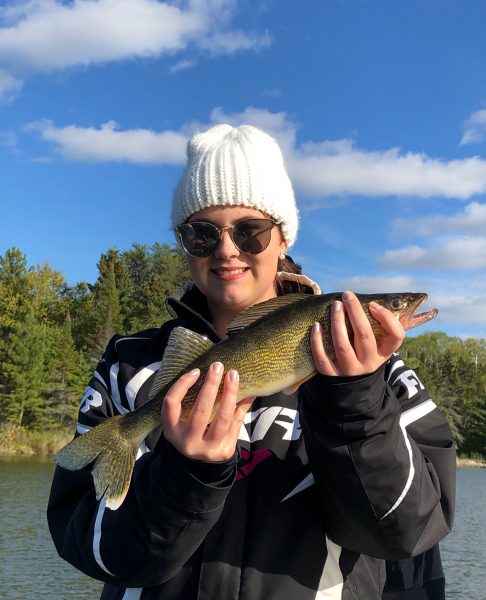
326 484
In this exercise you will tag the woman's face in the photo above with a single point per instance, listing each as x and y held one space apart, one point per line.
231 280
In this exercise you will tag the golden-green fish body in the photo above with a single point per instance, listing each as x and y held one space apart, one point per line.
269 346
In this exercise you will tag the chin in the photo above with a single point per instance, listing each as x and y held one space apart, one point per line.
234 302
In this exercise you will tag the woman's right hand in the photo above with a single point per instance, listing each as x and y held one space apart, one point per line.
197 437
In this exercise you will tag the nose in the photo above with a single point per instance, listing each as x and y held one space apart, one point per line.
226 247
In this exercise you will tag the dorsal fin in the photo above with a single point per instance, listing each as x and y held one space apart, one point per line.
183 347
252 314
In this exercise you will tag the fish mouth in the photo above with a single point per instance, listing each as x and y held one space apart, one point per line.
418 319
412 319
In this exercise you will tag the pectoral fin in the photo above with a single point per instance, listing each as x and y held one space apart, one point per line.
183 348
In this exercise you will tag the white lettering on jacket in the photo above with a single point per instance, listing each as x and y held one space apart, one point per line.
91 398
265 417
410 380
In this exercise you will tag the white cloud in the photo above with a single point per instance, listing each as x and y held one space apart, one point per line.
9 86
183 65
277 124
472 220
475 128
467 308
49 35
459 253
336 167
462 309
378 284
321 170
8 138
225 42
107 144
330 168
143 146
461 301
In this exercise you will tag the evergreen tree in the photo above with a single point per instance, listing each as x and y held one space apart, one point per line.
25 374
15 289
69 370
152 275
80 299
108 317
52 334
454 373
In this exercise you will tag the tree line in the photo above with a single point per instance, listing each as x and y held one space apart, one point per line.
53 333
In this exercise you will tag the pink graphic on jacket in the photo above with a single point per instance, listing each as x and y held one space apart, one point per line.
251 460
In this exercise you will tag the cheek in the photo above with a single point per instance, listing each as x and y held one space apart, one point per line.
267 265
196 267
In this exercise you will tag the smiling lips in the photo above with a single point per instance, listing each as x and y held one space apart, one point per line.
226 274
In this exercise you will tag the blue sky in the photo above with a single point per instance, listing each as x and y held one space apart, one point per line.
379 107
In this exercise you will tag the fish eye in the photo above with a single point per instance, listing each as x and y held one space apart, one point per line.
396 303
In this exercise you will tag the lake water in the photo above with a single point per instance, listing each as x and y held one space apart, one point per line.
464 551
31 570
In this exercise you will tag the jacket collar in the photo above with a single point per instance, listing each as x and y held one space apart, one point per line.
190 305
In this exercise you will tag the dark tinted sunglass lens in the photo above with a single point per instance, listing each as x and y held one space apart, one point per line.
252 236
199 239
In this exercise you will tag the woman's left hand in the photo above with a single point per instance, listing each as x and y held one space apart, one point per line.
365 354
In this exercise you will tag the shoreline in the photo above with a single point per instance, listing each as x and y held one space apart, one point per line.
45 444
18 441
465 462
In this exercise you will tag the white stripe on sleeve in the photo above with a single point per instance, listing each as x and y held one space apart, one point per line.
132 594
97 535
82 428
417 412
397 364
100 379
136 382
410 416
115 393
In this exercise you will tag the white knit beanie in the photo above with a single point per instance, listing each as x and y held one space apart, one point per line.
236 166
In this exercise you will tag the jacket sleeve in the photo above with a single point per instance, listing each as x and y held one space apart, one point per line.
171 505
383 459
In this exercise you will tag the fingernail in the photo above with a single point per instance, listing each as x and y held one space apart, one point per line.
233 375
317 326
336 306
217 367
194 372
347 295
375 305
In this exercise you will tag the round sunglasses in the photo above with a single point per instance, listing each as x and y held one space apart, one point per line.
250 236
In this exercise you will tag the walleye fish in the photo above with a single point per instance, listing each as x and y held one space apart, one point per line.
268 344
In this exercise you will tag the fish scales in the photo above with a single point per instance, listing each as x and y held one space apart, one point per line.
270 349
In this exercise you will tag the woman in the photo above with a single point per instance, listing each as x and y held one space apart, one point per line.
289 496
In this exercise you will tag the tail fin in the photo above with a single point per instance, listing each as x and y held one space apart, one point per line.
113 455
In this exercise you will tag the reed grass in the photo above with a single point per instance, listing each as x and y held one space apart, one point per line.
16 440
474 460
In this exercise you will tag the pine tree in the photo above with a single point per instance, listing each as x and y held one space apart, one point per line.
153 274
25 374
108 316
69 370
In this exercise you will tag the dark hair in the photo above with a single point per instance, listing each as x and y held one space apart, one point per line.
288 265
